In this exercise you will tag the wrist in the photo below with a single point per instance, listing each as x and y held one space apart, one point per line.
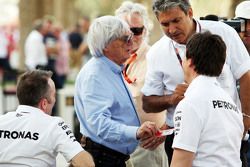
245 115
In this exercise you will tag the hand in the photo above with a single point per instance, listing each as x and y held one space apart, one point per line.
146 130
152 143
178 94
181 89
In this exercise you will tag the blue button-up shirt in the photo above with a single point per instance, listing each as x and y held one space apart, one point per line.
104 106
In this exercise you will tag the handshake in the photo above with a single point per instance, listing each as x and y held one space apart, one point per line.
150 136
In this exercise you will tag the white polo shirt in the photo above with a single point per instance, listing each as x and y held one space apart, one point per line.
29 137
35 50
165 72
3 44
209 124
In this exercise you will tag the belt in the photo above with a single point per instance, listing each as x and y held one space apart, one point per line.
90 144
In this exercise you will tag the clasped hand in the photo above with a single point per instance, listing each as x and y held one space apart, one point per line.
147 136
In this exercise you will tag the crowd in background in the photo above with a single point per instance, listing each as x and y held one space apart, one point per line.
48 46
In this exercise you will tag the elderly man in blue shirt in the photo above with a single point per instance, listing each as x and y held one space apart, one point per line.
103 103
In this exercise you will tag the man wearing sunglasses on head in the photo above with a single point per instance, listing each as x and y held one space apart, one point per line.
103 103
134 72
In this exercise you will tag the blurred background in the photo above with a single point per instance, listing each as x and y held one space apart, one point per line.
18 15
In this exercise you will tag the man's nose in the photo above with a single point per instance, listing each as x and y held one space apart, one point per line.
171 28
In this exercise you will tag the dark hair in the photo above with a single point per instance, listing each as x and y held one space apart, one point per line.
32 86
211 17
164 5
208 53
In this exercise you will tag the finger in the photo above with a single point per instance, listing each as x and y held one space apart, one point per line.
181 88
151 129
147 141
152 145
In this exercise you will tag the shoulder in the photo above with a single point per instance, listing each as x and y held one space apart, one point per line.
58 124
160 43
7 116
217 27
92 68
159 47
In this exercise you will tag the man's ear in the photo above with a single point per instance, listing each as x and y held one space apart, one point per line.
190 62
105 50
43 104
190 13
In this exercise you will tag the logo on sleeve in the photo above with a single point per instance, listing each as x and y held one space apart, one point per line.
67 130
177 122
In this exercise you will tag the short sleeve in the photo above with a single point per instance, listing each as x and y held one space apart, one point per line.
187 126
154 78
65 141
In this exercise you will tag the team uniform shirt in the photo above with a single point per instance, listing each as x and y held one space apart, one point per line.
165 72
29 137
35 50
208 123
104 106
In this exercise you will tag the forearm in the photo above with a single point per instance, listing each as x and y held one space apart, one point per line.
109 130
82 159
245 98
182 158
156 104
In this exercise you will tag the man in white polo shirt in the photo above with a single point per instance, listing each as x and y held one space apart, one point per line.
207 110
164 88
30 136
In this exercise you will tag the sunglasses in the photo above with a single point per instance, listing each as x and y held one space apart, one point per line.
137 30
127 38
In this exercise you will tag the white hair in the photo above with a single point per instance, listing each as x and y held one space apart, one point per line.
102 31
128 8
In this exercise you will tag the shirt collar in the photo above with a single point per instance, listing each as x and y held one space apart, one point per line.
28 109
113 66
198 26
201 79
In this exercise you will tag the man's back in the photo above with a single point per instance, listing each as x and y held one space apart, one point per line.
211 116
32 138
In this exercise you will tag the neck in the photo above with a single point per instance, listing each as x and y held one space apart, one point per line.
191 77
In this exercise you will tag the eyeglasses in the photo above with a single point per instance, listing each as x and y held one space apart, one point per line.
137 30
127 38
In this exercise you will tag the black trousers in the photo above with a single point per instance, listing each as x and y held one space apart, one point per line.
168 147
104 156
243 153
